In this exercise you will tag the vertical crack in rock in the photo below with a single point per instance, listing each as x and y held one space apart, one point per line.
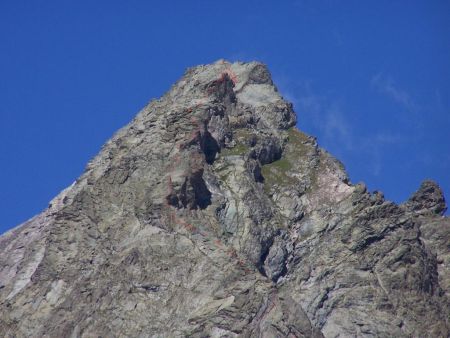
210 147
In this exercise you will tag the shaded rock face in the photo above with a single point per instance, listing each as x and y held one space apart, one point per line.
211 215
429 199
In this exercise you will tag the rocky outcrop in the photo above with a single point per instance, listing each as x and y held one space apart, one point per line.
211 215
429 199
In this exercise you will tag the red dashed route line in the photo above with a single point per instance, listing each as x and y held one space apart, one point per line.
233 77
273 302
230 252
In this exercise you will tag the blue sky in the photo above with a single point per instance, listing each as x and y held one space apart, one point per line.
370 79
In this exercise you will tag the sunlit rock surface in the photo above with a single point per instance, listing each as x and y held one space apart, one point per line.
211 215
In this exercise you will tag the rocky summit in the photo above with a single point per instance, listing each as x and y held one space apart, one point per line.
211 215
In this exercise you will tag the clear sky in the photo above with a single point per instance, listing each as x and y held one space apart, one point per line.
370 79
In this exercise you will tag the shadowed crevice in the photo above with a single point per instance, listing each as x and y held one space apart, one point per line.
192 194
210 147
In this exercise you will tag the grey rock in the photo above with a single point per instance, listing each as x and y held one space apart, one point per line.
211 215
428 199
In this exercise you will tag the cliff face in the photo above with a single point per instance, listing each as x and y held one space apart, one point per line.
211 215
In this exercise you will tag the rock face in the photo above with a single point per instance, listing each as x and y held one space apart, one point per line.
211 215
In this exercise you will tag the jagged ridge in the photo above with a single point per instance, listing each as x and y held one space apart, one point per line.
210 214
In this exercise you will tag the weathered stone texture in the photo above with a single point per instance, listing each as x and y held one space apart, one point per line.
211 215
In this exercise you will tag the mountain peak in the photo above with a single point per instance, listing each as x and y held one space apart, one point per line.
210 214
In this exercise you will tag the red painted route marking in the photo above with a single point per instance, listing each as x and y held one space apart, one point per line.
233 77
231 252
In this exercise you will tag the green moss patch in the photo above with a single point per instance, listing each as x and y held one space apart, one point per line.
238 149
276 173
